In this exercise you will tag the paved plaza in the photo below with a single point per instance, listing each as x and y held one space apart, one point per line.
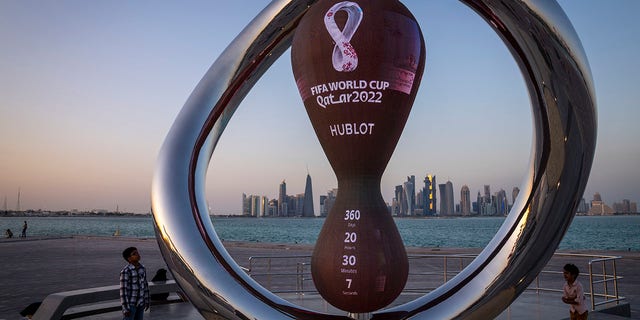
33 268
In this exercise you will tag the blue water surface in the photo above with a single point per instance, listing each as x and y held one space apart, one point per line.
585 233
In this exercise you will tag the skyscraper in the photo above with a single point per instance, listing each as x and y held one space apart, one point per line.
400 208
502 205
272 208
246 205
443 198
598 207
296 205
255 206
282 200
465 201
410 194
514 194
446 199
326 202
420 202
487 194
583 207
429 195
450 199
323 208
307 206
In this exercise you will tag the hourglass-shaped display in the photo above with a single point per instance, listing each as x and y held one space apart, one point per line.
358 66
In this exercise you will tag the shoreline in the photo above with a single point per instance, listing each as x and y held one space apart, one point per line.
302 246
79 214
602 233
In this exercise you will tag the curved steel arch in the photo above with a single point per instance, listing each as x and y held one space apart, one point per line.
552 61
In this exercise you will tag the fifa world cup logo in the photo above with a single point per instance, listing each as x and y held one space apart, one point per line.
358 66
344 57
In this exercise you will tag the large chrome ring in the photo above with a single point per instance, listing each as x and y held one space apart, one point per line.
555 69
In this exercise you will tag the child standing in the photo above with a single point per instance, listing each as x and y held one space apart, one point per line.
573 294
134 290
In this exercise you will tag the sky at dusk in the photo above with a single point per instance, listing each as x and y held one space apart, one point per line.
89 90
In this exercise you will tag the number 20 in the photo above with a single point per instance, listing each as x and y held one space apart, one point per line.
350 237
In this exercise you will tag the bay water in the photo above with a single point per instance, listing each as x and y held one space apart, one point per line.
585 233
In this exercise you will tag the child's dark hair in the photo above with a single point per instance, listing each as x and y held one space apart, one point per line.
572 269
127 252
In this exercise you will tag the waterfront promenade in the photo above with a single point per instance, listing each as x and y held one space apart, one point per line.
32 268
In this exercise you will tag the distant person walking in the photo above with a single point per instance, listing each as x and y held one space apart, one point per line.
134 289
24 230
573 294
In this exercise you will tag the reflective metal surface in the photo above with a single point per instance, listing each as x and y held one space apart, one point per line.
558 78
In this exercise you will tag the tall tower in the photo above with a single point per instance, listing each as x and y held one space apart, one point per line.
323 206
264 206
400 201
429 194
465 201
282 200
329 201
450 200
410 194
487 193
443 198
514 194
446 199
502 205
307 206
255 205
419 199
246 205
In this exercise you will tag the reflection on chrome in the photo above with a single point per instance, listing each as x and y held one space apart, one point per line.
555 69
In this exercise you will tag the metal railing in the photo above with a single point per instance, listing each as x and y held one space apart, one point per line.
602 274
265 268
606 279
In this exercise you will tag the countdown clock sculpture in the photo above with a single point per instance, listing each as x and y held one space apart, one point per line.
555 69
358 83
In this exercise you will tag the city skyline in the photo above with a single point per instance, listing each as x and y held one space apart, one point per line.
88 92
462 205
455 205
